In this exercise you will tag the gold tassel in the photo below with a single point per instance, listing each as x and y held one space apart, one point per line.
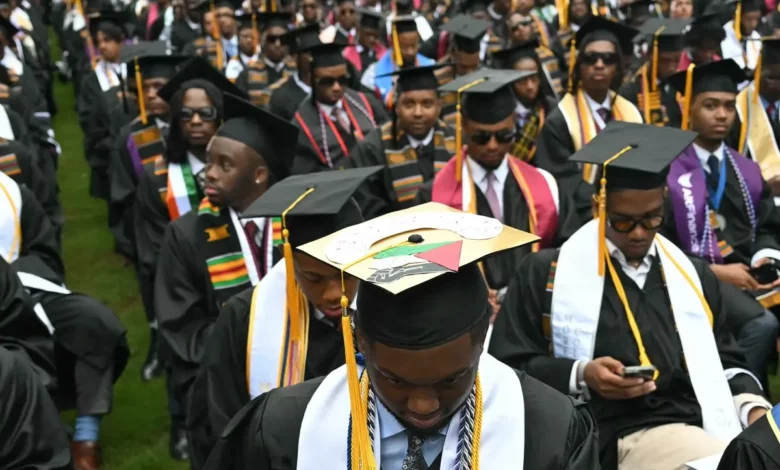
458 129
273 6
687 98
399 59
255 39
563 13
757 76
654 76
572 60
602 214
217 36
139 83
738 20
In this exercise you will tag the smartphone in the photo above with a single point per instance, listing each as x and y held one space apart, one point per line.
639 372
765 274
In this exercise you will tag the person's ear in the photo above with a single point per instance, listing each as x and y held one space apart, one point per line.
261 175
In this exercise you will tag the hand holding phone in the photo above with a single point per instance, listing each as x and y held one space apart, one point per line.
639 372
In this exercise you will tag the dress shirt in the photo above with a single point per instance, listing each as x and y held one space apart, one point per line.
230 45
522 113
765 104
416 143
328 109
594 109
479 176
161 124
395 440
704 155
300 83
195 164
260 222
278 67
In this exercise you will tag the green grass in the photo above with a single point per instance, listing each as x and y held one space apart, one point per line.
135 435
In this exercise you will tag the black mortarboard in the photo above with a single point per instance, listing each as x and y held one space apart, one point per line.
508 57
8 28
152 57
640 8
405 24
770 51
106 16
705 27
302 38
370 18
269 19
467 32
471 6
404 6
325 54
339 2
198 68
598 28
632 156
271 137
721 75
488 98
417 78
751 5
668 32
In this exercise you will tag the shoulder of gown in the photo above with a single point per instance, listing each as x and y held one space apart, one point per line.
756 447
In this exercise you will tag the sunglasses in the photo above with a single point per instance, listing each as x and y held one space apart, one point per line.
330 81
206 114
273 38
518 25
623 225
504 136
609 58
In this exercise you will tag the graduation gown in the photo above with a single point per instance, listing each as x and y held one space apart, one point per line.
286 96
182 34
755 448
311 156
256 78
521 339
221 389
264 434
666 114
106 112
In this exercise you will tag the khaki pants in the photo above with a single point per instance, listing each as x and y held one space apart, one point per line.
666 447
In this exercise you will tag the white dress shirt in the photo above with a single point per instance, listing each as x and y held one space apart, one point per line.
277 67
416 143
704 155
195 164
260 222
300 83
594 107
522 111
479 175
395 441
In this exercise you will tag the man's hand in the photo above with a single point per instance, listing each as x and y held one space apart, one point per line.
737 274
756 414
604 376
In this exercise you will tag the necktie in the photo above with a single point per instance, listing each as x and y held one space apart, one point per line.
771 111
492 198
230 48
200 178
341 117
414 459
605 115
251 229
714 175
522 118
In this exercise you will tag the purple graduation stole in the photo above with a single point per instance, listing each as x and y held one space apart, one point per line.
695 221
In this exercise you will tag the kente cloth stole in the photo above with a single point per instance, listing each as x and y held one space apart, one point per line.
257 83
8 162
145 144
650 102
524 147
756 133
404 167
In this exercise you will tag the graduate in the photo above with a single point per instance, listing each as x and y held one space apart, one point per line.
720 207
743 42
702 40
288 93
274 62
211 45
757 128
334 118
609 291
241 355
550 53
209 255
647 89
757 447
591 103
404 51
86 370
346 20
420 329
248 45
368 47
534 95
577 13
412 147
486 179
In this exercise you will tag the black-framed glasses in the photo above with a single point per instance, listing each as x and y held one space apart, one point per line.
503 136
330 81
627 225
609 58
205 114
273 38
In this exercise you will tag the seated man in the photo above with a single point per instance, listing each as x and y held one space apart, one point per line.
423 372
692 393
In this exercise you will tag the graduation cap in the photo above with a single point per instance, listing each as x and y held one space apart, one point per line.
467 32
370 19
404 6
744 6
400 25
473 6
325 54
507 58
598 28
634 156
119 19
488 100
302 38
708 26
666 33
640 7
198 68
721 75
421 286
270 19
149 59
416 78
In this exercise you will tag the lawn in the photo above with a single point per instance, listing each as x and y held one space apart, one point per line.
135 435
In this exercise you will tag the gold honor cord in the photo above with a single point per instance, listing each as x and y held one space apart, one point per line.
217 35
654 77
139 83
458 128
572 57
686 117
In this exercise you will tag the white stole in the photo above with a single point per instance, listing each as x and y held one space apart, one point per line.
502 443
576 306
105 72
6 130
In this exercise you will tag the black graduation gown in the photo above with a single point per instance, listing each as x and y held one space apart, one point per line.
182 34
286 98
264 434
520 339
221 389
500 268
261 78
756 448
31 433
733 138
742 306
307 159
670 109
106 112
31 91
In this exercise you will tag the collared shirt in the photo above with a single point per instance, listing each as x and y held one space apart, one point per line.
328 108
395 441
195 164
638 274
765 103
300 84
704 155
230 45
162 124
594 109
416 143
260 223
522 113
278 67
479 175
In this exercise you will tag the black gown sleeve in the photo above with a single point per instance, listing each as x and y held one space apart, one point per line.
768 229
568 219
122 183
34 180
380 113
39 235
33 95
756 448
518 338
88 94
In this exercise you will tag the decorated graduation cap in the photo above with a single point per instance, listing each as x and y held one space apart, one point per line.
421 287
507 58
488 100
632 156
721 75
417 78
198 68
325 54
302 38
467 32
149 59
744 6
370 19
400 25
274 139
311 206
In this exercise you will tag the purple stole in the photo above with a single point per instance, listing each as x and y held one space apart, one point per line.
135 157
694 220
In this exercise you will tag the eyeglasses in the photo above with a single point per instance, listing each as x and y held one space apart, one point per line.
206 114
625 225
504 136
330 81
273 38
590 58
